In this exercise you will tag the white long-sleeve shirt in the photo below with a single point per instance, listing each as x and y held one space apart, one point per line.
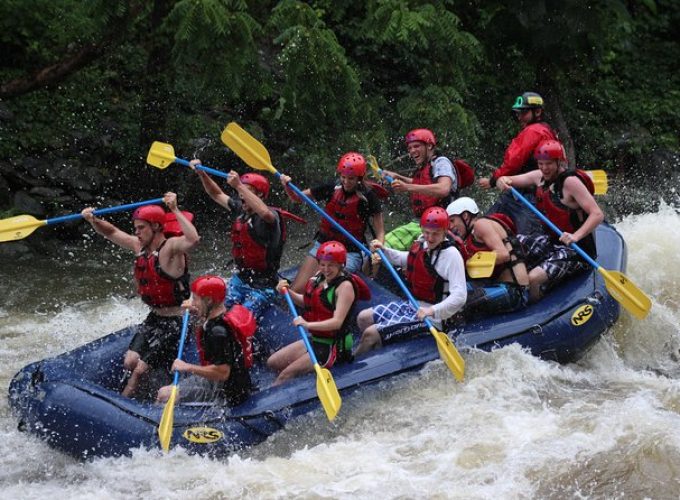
450 267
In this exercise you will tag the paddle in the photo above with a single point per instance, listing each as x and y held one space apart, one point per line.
481 264
373 163
162 155
618 285
325 385
165 425
20 226
255 155
599 178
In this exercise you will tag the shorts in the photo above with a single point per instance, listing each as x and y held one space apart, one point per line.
354 259
402 237
157 340
486 297
558 261
397 321
255 299
199 389
327 352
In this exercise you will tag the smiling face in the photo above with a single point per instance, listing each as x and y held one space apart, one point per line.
433 237
549 169
419 151
349 182
329 269
457 225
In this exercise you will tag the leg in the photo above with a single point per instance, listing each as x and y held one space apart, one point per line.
286 355
365 319
163 394
130 360
140 369
300 366
307 269
537 277
370 339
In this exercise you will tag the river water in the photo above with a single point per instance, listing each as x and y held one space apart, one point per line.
517 427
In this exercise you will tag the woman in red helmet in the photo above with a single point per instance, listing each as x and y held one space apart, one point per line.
258 234
435 275
222 373
327 301
566 198
434 183
162 278
354 204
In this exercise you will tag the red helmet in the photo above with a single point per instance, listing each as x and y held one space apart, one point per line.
171 227
210 286
150 214
422 135
259 182
333 251
434 218
550 150
352 164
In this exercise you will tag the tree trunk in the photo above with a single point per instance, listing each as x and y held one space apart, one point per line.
553 103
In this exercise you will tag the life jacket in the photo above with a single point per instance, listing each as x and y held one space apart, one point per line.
343 207
565 218
421 202
156 287
320 302
251 254
240 321
424 281
472 245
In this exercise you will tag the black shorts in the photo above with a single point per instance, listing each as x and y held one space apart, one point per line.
157 340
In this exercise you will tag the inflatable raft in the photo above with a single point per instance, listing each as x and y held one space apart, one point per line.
72 401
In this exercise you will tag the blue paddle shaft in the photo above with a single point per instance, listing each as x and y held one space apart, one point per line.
552 226
102 211
218 173
185 327
301 330
359 245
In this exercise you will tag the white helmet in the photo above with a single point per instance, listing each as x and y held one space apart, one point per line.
464 204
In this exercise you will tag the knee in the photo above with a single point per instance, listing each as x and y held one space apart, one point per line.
365 319
370 336
130 361
163 394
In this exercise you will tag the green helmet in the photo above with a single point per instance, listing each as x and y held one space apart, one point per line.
528 100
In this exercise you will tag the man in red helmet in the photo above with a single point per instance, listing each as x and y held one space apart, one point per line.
257 235
434 183
222 373
435 275
352 203
566 198
519 158
162 277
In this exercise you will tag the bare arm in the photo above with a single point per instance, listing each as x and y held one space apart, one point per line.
378 223
214 373
251 199
178 246
111 232
486 232
575 190
529 179
211 187
292 194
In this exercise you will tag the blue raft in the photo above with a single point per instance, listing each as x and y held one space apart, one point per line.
72 401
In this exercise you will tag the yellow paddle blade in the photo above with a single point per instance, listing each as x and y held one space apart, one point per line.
449 354
600 182
161 155
481 264
625 291
18 227
165 427
247 148
327 392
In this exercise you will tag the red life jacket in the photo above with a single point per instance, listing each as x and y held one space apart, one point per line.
241 323
424 281
343 207
565 218
320 302
251 254
155 286
421 202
